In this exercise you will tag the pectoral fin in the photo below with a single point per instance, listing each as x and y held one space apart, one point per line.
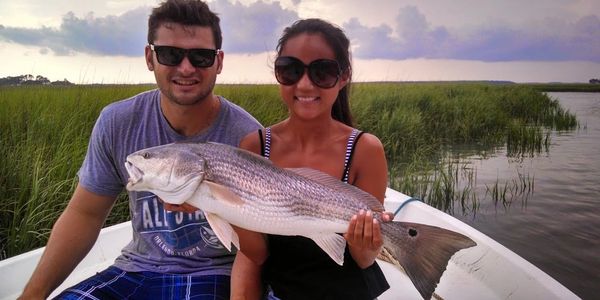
224 194
223 230
333 244
182 193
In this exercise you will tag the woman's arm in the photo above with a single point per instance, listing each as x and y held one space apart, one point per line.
246 280
369 173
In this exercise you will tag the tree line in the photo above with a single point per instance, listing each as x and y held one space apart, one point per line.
29 79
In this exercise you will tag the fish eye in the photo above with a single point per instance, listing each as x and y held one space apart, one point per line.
146 155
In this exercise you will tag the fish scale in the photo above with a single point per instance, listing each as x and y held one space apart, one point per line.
272 191
234 186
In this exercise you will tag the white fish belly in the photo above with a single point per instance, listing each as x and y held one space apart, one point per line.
280 223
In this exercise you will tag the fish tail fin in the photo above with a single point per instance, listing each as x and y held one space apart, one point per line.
423 251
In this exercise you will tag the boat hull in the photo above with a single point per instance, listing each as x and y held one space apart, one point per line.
486 271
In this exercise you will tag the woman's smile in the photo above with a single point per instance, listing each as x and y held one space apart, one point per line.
306 99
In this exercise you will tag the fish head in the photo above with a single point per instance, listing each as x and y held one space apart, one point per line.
173 172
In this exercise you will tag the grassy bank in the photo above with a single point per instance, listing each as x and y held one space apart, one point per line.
566 87
44 133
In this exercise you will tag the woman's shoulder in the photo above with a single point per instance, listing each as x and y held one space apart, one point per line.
368 149
369 166
368 141
252 141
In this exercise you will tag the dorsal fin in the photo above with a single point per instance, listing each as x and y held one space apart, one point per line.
339 186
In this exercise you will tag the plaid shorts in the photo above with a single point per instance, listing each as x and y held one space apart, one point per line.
114 283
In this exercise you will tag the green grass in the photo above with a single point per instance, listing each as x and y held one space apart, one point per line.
44 133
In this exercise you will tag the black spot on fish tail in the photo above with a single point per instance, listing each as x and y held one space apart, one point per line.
412 232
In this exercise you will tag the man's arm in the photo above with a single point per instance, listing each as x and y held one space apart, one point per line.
72 237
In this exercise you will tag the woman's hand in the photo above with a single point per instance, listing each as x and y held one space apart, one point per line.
364 238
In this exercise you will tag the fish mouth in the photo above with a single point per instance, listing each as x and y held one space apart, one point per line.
135 174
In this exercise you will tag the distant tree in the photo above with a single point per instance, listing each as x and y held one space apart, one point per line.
29 79
41 79
12 80
61 82
594 80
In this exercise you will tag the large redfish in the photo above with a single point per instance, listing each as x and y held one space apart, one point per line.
234 186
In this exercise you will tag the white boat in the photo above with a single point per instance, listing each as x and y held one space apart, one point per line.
486 271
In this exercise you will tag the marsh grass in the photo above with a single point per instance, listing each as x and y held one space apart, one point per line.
44 133
419 123
43 136
520 189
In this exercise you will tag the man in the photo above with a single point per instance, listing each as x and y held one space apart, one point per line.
173 254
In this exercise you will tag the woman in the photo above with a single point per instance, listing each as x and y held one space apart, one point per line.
314 71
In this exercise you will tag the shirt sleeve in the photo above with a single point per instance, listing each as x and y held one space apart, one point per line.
99 173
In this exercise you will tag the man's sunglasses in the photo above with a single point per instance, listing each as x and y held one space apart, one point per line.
173 56
324 73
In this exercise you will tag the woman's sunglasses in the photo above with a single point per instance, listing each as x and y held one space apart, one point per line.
324 73
173 56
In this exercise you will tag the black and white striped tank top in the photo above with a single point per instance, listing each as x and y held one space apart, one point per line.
350 146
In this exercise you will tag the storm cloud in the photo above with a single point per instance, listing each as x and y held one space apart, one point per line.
255 28
550 39
252 28
111 35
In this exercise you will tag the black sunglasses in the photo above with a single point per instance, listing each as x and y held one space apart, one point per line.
173 56
324 73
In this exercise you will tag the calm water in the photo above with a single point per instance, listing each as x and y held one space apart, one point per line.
557 228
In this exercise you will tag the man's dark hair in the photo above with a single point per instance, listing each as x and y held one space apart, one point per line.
185 12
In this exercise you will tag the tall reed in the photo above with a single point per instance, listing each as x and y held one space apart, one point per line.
44 133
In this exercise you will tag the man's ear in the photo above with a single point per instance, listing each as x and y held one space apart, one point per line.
220 56
149 58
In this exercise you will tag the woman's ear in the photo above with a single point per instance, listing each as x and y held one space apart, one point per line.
345 77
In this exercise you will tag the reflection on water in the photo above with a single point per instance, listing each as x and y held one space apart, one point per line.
556 225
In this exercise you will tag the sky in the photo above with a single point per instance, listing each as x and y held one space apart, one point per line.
102 41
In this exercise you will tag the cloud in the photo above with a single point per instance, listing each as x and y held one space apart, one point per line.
375 42
111 35
551 39
256 27
252 28
249 28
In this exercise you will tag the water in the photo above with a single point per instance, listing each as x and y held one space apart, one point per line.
557 227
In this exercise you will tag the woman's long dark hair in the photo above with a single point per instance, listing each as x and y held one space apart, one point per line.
340 44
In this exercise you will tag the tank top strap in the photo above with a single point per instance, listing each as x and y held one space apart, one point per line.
262 142
266 147
350 146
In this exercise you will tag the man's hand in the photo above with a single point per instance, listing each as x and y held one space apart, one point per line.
184 207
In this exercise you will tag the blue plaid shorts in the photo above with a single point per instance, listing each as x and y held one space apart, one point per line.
114 283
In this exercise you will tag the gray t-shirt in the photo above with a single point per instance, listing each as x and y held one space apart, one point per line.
163 241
